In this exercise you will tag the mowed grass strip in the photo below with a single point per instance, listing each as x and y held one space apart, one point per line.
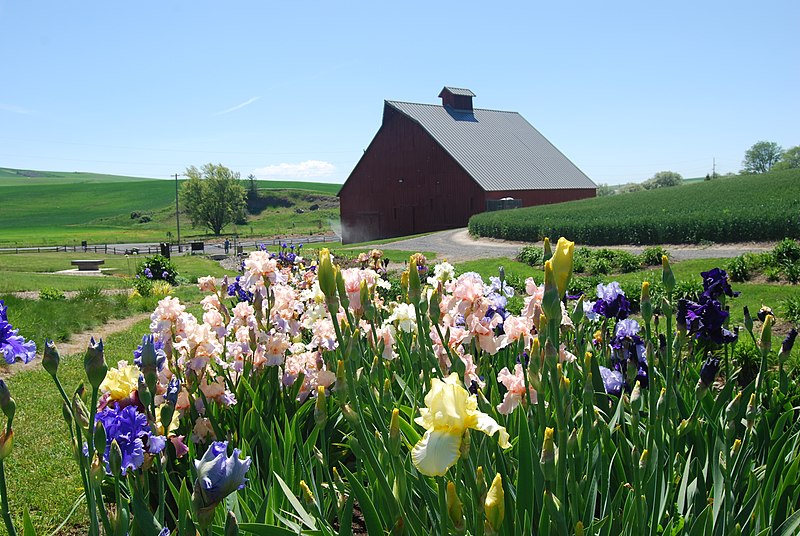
735 209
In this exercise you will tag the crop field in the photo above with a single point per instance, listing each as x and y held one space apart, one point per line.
54 208
735 209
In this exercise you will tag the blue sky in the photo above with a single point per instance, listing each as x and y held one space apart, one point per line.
294 90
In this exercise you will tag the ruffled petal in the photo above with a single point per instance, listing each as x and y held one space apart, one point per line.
436 452
489 426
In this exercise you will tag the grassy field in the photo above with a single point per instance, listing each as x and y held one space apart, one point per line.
55 208
735 209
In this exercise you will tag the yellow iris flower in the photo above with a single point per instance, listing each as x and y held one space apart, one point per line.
120 382
450 411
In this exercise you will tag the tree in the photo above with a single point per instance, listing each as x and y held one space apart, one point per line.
761 157
213 197
604 189
789 160
663 179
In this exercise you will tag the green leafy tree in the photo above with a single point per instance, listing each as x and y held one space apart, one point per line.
789 160
604 189
663 179
214 197
761 157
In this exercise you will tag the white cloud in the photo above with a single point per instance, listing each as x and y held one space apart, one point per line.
13 109
302 170
248 102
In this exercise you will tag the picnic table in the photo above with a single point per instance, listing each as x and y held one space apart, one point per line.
86 265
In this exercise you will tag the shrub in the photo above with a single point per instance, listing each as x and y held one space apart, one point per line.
142 286
689 289
792 273
89 294
737 269
531 255
773 273
626 262
599 266
581 259
51 294
791 308
158 268
652 256
787 251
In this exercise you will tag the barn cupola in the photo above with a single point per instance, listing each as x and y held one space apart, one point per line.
457 98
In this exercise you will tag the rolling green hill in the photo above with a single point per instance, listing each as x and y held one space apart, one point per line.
46 208
734 209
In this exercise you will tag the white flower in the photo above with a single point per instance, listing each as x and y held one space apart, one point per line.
406 317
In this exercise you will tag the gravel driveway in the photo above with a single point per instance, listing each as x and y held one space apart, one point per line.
456 245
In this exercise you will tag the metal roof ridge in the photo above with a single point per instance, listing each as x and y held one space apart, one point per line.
465 111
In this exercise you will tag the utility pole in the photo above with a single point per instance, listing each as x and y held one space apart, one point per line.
714 168
177 214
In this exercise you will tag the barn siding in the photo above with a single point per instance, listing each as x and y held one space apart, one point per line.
543 197
405 183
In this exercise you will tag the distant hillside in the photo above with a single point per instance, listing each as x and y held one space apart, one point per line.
48 207
730 209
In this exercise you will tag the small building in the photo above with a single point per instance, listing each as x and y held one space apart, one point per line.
431 167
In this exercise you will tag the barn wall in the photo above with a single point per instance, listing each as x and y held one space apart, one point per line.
543 197
405 183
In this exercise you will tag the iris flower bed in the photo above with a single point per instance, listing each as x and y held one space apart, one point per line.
309 399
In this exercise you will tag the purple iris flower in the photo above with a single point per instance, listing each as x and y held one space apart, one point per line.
705 320
158 349
130 429
715 284
611 302
148 274
708 372
219 475
12 344
612 380
235 289
628 354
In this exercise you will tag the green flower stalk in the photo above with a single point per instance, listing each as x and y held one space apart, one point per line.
320 406
646 306
414 290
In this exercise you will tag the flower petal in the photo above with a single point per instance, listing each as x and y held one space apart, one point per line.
436 452
489 426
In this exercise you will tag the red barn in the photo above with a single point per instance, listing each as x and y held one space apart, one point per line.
431 167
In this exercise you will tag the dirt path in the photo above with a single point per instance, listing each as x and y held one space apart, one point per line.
456 245
77 343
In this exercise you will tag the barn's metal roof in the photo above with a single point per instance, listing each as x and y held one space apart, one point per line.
500 150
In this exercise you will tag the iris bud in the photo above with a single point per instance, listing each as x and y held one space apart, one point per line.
748 320
308 496
765 341
494 506
143 392
50 358
434 310
94 363
320 406
394 432
454 508
562 262
787 344
341 379
646 306
667 277
413 281
480 486
644 459
732 409
636 398
661 405
577 312
6 443
548 252
231 524
737 444
548 457
80 412
99 437
350 415
751 412
551 300
115 459
327 279
579 528
341 289
7 403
